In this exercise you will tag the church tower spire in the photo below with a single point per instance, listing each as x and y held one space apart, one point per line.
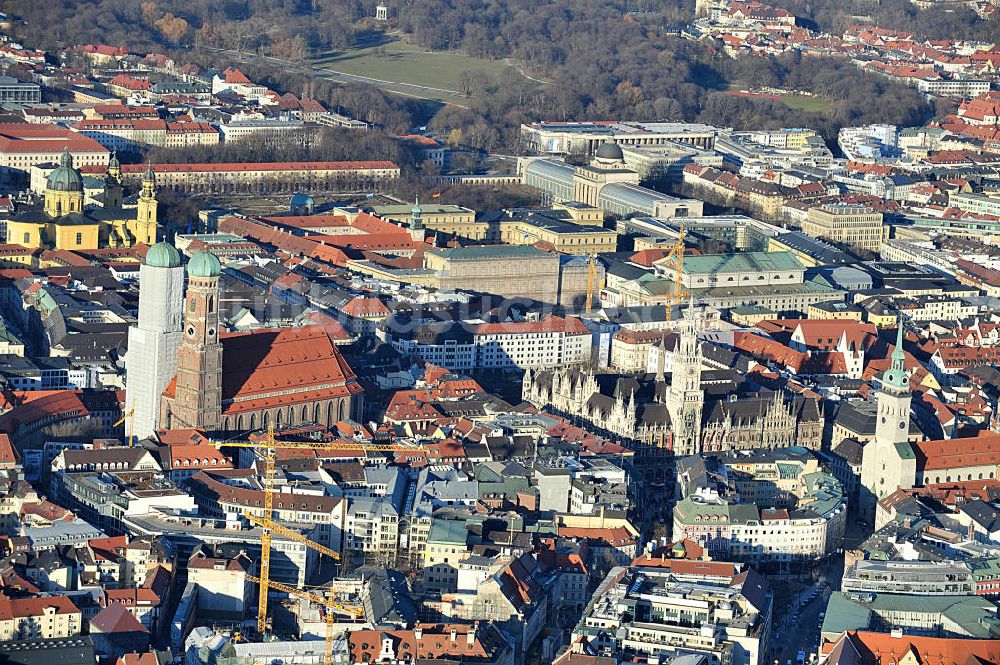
146 210
888 461
685 399
417 221
113 192
198 395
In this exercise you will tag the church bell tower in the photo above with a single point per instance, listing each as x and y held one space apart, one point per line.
198 396
113 193
146 210
888 462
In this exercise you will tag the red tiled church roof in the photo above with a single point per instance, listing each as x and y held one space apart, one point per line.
263 364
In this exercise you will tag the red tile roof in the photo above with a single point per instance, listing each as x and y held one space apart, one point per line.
435 643
8 455
982 450
208 484
241 167
304 363
235 76
884 649
192 457
116 619
22 608
32 138
614 536
569 325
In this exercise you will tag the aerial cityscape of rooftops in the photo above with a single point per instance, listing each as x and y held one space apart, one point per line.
506 332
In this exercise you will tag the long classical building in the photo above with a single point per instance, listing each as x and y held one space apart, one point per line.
512 271
606 183
23 145
561 138
551 342
258 177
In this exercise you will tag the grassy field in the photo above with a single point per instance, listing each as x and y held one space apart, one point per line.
804 103
395 62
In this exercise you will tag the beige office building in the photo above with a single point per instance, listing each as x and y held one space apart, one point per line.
856 227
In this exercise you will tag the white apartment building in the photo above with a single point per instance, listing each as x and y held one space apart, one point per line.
269 130
470 345
371 528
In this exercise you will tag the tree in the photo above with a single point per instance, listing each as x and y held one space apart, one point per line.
174 28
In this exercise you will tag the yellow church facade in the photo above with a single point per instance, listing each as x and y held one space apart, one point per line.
64 222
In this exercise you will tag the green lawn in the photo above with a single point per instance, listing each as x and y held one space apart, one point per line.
804 103
396 62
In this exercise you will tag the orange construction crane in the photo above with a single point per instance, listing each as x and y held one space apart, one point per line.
269 446
329 602
130 417
592 281
674 261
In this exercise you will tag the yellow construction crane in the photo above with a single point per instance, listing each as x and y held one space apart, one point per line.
329 601
591 283
284 531
269 445
130 417
674 260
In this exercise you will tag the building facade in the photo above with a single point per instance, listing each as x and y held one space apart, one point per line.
856 227
151 361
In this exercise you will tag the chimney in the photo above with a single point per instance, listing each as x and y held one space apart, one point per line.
418 633
470 636
454 634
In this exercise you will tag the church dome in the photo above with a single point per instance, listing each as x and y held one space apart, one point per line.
610 152
302 199
65 178
204 264
163 255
